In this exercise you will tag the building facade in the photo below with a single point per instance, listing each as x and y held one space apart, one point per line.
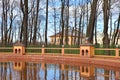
72 37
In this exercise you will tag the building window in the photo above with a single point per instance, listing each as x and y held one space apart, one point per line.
15 51
82 52
86 52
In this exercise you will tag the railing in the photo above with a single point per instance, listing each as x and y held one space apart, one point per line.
6 50
99 52
52 51
60 51
33 51
107 52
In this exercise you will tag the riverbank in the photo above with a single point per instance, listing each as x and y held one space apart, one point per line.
113 62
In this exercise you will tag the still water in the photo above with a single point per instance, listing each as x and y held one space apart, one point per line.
47 71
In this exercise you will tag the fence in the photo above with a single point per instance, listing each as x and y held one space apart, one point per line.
112 52
53 51
6 50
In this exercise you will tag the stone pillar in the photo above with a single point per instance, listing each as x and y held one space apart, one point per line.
19 49
43 49
117 52
62 49
87 49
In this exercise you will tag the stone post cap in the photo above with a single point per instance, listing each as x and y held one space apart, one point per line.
86 43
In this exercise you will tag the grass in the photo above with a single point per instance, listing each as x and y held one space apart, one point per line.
56 51
33 50
104 52
6 50
67 51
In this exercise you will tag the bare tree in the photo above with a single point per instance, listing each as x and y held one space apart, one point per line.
75 23
35 22
116 32
67 22
96 21
80 23
5 9
62 20
24 8
90 28
55 18
12 18
46 24
106 13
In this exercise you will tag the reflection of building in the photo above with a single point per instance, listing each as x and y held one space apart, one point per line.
117 75
87 71
72 37
19 65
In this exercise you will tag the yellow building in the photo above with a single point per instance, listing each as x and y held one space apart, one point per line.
72 37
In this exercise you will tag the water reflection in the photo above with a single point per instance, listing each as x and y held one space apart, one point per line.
46 71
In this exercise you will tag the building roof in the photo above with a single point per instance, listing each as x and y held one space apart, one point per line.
71 33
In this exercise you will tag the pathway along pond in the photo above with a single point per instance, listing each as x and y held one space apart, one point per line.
48 71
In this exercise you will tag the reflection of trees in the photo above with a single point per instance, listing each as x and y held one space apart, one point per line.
10 73
66 72
3 71
33 71
23 74
59 72
45 75
106 72
55 68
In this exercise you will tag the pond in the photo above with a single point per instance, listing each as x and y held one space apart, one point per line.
52 71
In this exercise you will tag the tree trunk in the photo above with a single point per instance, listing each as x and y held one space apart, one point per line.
79 33
62 22
106 9
90 28
55 24
21 32
46 25
96 31
75 29
5 9
35 23
67 23
24 8
116 31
